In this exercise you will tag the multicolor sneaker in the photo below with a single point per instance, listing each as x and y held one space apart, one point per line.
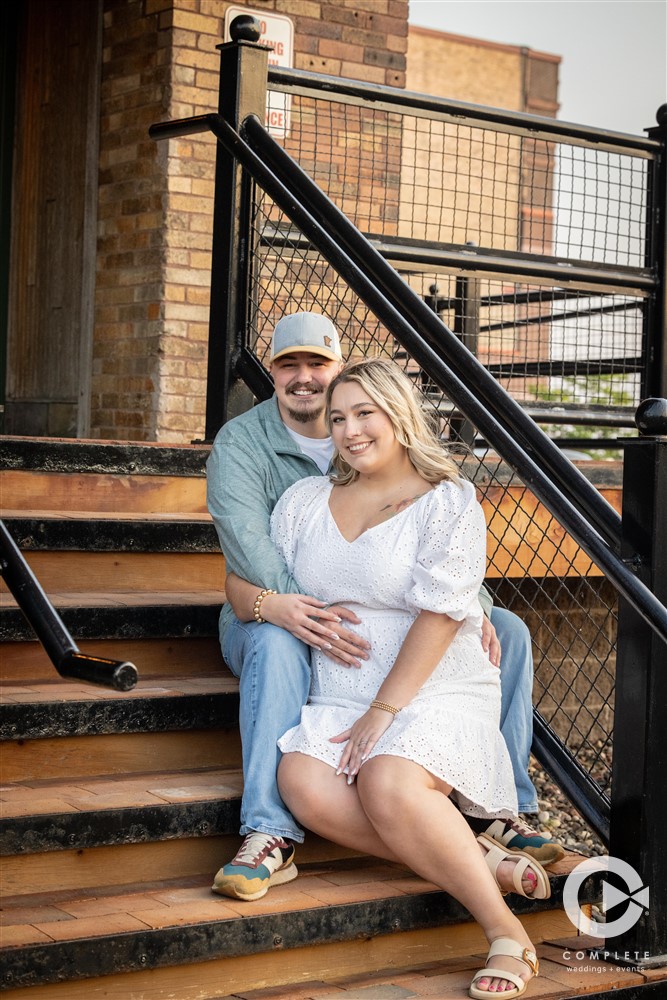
261 861
514 835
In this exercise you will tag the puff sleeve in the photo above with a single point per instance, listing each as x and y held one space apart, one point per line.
451 556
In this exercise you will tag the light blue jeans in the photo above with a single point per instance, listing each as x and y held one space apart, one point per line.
273 668
516 704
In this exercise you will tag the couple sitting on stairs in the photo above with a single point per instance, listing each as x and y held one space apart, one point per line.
372 709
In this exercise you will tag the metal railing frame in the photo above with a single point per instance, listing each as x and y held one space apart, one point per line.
367 273
49 628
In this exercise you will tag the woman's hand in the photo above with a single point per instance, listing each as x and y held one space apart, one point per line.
305 617
361 738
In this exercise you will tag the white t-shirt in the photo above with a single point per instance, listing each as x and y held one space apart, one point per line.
319 449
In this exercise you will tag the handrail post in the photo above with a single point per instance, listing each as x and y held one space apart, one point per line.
243 86
466 327
638 801
655 314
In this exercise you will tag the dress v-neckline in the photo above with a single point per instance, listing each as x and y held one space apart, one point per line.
380 524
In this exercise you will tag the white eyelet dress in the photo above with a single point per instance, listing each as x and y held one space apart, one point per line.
430 556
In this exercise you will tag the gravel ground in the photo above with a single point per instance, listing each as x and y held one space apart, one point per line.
559 818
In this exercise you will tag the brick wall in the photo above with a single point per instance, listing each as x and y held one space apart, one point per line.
129 283
156 199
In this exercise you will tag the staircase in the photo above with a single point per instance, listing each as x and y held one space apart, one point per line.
118 808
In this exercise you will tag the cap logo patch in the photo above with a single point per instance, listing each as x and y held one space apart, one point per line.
327 341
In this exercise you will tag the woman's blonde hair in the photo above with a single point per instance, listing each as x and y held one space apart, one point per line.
391 389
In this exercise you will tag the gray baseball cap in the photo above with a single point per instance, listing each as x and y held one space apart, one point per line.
306 331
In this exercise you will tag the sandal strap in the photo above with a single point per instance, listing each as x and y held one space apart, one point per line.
491 973
512 949
495 855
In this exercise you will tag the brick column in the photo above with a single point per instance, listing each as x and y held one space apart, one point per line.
156 199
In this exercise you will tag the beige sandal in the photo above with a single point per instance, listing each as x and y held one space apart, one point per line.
511 949
495 854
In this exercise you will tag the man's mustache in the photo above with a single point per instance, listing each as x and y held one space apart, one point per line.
311 386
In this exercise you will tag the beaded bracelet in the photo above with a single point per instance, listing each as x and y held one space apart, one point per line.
385 707
258 604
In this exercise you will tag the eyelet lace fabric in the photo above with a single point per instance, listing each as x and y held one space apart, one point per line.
431 556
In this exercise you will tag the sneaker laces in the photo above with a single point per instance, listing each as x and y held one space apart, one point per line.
254 845
522 828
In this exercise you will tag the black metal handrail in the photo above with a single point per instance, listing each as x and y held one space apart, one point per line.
300 82
49 628
577 784
443 342
297 200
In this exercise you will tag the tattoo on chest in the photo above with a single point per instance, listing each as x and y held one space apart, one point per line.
391 509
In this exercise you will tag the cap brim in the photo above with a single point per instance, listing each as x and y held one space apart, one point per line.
311 349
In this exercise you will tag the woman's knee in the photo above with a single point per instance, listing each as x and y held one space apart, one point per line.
382 790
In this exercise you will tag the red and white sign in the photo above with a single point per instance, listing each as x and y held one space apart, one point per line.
277 31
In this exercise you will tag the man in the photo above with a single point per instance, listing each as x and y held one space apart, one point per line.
254 459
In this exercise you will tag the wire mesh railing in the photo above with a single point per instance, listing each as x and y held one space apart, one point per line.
561 349
554 588
545 273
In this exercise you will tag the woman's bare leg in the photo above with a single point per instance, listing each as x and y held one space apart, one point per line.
399 812
327 805
418 823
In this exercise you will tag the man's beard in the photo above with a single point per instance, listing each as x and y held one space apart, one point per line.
305 416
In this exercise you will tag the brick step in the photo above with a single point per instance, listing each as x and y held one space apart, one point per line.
102 531
43 474
122 614
111 809
69 455
569 967
152 925
43 709
26 662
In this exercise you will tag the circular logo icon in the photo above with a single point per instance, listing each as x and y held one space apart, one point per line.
636 896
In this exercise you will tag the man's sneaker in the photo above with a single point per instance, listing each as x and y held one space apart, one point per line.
514 835
262 861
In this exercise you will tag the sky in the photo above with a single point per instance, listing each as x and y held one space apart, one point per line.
613 71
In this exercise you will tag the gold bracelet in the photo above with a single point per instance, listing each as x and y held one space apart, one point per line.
385 707
258 604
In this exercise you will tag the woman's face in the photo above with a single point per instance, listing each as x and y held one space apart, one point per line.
362 431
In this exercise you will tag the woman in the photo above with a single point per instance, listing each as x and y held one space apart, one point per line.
382 754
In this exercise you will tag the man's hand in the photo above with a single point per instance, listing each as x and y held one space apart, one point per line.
490 643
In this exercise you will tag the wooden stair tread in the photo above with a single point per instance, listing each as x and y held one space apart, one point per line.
63 690
121 598
26 662
198 517
116 791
